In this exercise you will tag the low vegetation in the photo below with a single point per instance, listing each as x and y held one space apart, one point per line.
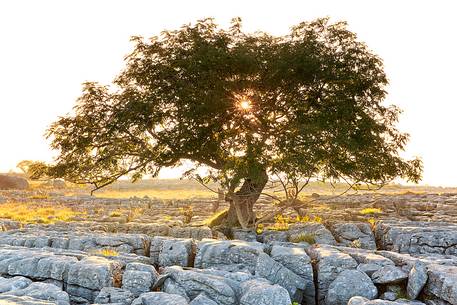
31 212
303 237
370 211
187 213
105 252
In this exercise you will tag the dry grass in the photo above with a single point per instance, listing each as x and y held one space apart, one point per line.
37 212
105 252
370 211
157 194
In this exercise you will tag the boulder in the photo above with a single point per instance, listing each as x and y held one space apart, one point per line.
13 283
442 283
276 273
7 299
190 283
229 255
261 292
348 284
328 264
43 291
202 299
417 237
197 233
95 273
244 234
8 182
114 295
364 301
159 298
139 278
353 234
417 279
320 233
296 260
167 251
389 275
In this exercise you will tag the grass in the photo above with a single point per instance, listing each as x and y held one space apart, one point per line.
216 219
370 211
156 194
105 252
306 237
37 212
115 214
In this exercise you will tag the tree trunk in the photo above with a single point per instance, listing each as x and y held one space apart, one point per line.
241 210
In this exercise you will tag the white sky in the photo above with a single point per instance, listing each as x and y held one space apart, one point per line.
48 48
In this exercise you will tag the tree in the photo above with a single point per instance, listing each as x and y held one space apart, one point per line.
303 106
33 170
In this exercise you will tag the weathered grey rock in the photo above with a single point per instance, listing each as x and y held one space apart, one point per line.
159 298
416 280
16 300
363 256
353 234
80 294
369 269
230 255
389 296
55 267
244 234
114 295
82 241
417 237
166 251
328 264
13 283
139 278
43 291
260 292
191 283
202 299
363 301
8 182
350 283
442 283
320 233
276 273
197 233
389 275
95 273
296 260
269 236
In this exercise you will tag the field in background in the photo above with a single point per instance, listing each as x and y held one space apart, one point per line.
188 189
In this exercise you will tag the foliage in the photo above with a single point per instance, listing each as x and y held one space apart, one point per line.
105 252
370 211
260 228
356 244
372 222
187 213
34 170
306 237
133 213
306 105
115 214
216 218
30 212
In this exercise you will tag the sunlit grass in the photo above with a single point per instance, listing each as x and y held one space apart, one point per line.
105 252
370 211
37 212
157 194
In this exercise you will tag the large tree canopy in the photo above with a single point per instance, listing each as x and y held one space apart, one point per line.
305 105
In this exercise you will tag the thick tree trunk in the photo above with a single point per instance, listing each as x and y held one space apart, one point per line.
241 210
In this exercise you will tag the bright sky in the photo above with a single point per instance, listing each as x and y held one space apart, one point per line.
48 48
